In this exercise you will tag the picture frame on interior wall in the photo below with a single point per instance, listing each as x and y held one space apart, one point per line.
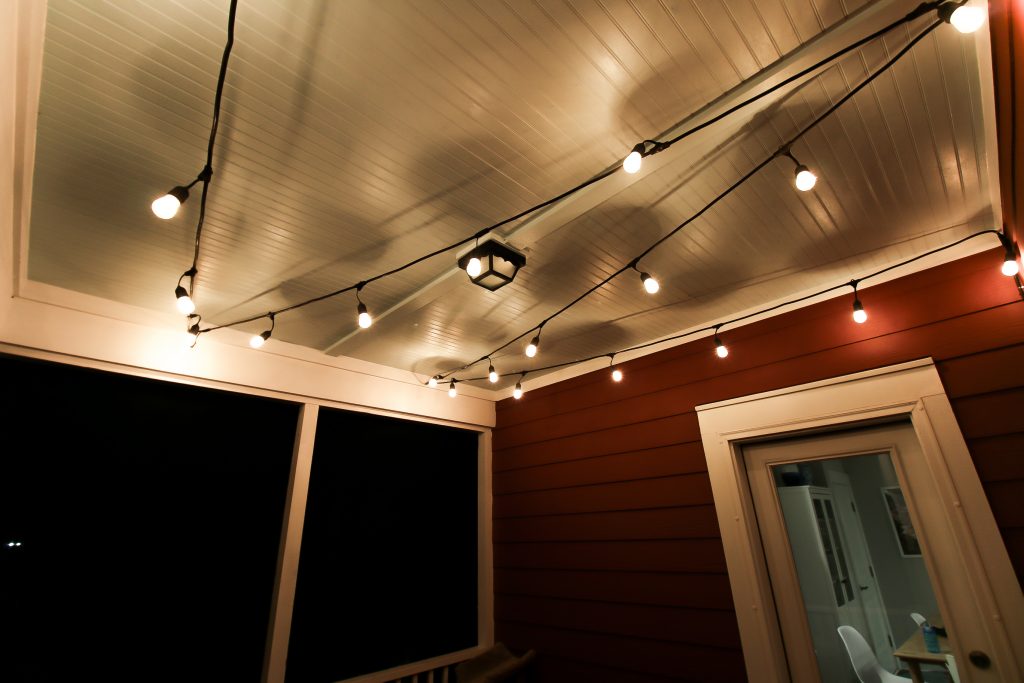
899 519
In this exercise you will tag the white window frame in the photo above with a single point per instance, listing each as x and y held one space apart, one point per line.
911 390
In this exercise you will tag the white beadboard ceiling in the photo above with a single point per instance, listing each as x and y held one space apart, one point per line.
358 135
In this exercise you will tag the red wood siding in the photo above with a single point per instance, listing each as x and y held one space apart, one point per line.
608 558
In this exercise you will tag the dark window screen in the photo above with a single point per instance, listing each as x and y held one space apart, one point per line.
388 566
149 516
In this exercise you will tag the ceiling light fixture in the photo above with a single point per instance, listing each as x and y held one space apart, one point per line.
634 160
966 17
492 264
802 176
258 340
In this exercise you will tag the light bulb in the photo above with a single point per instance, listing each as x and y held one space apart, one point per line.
631 164
474 267
184 302
805 180
859 314
967 18
432 382
258 340
616 375
517 393
720 349
1010 265
192 336
492 374
452 391
650 284
364 318
531 348
167 206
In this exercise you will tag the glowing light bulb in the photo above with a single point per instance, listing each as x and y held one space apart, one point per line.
967 18
650 284
492 374
531 348
517 393
258 340
184 302
474 267
432 382
632 162
805 180
720 349
1010 266
616 375
860 316
166 207
452 391
364 318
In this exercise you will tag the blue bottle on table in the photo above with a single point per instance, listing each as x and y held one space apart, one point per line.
931 639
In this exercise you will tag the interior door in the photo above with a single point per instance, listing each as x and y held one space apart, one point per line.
813 648
863 572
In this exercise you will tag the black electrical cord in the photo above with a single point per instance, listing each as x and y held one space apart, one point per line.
657 146
781 151
207 173
739 319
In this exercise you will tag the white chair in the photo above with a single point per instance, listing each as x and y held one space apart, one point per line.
951 666
865 664
918 619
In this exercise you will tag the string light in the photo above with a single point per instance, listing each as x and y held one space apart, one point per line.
650 284
720 349
258 340
641 150
966 17
860 316
1010 265
517 393
634 160
432 382
452 391
181 295
492 374
363 315
534 345
166 206
802 176
616 373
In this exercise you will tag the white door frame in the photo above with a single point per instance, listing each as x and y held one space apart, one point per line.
913 390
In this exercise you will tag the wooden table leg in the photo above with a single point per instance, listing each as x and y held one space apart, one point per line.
915 671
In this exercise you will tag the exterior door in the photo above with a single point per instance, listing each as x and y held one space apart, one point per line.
817 571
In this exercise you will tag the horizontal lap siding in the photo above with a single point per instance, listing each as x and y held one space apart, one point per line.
608 559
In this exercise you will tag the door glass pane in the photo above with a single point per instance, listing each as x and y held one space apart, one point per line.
858 562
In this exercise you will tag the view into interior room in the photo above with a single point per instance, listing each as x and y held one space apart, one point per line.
541 341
